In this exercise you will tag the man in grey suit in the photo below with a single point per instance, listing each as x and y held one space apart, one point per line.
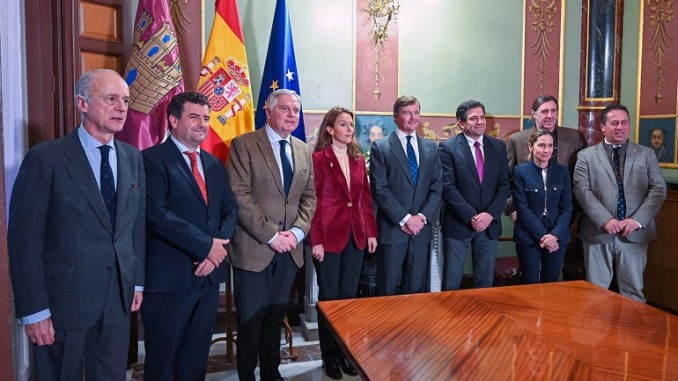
566 141
271 175
476 185
620 188
76 239
406 183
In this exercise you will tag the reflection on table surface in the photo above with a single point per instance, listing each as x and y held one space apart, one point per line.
556 331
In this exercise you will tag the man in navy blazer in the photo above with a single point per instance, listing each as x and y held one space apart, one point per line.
190 216
74 259
406 188
476 185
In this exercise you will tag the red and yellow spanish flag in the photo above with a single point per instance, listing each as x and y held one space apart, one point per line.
225 80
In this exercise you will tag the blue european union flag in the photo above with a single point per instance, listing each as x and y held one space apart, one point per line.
280 70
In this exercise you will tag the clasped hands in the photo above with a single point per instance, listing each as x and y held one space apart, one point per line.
285 241
625 226
481 221
549 242
214 258
413 225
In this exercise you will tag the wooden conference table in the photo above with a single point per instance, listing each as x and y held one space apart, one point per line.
557 331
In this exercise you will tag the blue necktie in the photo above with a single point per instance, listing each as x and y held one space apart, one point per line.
286 167
107 183
621 200
412 159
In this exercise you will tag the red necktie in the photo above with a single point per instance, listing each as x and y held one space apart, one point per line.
196 173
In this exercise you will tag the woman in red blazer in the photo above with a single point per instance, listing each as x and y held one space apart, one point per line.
343 224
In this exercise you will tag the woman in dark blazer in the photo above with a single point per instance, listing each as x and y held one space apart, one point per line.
542 194
343 223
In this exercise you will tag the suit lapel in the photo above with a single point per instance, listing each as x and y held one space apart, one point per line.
177 159
299 162
424 155
81 172
466 152
264 145
605 161
125 177
629 161
335 168
491 155
401 157
208 164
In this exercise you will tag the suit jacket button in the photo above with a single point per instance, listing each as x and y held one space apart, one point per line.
350 204
109 268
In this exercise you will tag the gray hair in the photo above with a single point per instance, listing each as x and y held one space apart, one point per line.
273 97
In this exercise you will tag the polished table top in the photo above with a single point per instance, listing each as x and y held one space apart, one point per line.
556 331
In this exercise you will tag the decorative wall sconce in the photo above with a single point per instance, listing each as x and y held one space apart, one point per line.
381 12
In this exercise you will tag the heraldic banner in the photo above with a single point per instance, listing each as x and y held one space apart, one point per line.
153 75
280 70
225 80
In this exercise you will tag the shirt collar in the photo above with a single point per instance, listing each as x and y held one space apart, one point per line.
615 145
403 136
183 147
274 137
88 141
472 142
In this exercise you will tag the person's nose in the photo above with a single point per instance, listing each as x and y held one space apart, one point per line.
122 104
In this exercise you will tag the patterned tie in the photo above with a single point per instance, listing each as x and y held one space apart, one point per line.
196 173
286 167
412 159
480 162
621 200
107 183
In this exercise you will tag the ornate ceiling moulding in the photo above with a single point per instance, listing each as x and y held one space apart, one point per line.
381 12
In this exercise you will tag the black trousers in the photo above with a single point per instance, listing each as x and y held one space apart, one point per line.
338 278
178 331
261 300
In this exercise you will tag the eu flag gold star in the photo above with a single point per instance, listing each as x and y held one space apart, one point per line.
274 86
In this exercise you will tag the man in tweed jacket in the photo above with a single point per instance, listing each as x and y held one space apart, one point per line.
273 219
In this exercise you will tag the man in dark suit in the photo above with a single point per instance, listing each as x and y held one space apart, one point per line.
406 184
271 175
566 141
76 239
620 188
476 185
190 216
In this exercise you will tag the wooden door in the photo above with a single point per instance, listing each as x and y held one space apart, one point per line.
66 38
